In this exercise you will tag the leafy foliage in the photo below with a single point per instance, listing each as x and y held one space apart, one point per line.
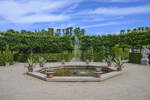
135 58
118 62
6 56
30 62
42 60
109 59
57 42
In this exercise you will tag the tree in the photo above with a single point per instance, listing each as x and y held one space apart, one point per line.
67 32
70 30
82 31
58 32
135 30
122 31
77 31
147 28
139 29
23 31
63 30
51 31
142 28
10 31
43 31
128 30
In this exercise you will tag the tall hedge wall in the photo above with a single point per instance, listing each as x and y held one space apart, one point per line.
50 57
135 58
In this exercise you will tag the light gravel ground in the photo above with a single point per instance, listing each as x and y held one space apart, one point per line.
133 84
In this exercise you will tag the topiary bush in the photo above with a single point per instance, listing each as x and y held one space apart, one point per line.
117 51
126 53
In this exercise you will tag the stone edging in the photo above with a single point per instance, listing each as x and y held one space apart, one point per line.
39 75
74 79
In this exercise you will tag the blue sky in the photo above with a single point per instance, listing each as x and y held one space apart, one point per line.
96 16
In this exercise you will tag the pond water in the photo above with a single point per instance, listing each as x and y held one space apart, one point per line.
76 71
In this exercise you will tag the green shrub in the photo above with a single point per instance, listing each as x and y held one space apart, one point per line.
6 56
116 51
135 58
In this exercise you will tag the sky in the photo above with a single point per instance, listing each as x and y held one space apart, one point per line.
95 16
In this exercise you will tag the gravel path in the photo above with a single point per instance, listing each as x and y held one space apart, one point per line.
133 84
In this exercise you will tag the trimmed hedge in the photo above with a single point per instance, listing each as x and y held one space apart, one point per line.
50 57
97 57
135 58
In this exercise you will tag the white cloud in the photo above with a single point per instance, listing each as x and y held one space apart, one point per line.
99 18
40 18
116 11
33 10
102 24
122 11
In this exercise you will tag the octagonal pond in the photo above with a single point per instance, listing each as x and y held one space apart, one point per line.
77 70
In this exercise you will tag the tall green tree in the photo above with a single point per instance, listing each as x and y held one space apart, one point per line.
58 32
82 31
51 31
77 31
122 31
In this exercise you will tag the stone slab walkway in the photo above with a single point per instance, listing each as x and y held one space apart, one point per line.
133 84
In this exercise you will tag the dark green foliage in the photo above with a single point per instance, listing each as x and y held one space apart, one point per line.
135 58
50 57
102 52
6 56
2 60
91 53
96 57
56 42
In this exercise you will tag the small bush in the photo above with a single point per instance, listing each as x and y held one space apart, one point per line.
6 56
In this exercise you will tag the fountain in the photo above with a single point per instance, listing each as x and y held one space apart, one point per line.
76 49
74 71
